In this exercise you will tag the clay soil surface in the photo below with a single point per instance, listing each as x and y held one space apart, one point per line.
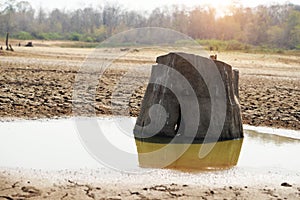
42 82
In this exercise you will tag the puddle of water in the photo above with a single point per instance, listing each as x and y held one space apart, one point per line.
55 145
48 145
270 151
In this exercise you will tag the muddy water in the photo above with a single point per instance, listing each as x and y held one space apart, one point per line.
222 156
55 145
270 149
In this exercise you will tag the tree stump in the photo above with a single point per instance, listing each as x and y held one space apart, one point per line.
181 106
29 44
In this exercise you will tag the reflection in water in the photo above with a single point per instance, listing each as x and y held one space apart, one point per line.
223 156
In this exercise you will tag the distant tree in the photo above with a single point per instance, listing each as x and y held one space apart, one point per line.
7 18
293 29
24 16
156 18
180 19
202 23
111 17
275 25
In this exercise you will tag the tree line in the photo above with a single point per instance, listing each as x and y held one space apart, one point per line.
275 26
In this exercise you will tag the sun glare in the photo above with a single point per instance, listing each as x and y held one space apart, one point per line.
221 6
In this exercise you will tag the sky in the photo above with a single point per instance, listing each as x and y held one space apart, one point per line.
149 4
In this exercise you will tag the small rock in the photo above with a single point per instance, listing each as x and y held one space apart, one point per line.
135 50
285 184
124 49
134 193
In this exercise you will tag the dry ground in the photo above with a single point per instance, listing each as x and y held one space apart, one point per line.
39 83
37 186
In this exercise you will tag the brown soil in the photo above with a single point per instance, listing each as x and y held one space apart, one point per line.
38 83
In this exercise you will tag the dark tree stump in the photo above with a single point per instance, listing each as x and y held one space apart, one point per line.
29 44
176 124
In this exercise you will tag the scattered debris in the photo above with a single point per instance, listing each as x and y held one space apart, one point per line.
29 44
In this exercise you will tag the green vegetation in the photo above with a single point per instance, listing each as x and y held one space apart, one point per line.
48 36
220 45
263 28
233 45
22 35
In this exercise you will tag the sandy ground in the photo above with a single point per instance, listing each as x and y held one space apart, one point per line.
27 188
38 83
34 184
